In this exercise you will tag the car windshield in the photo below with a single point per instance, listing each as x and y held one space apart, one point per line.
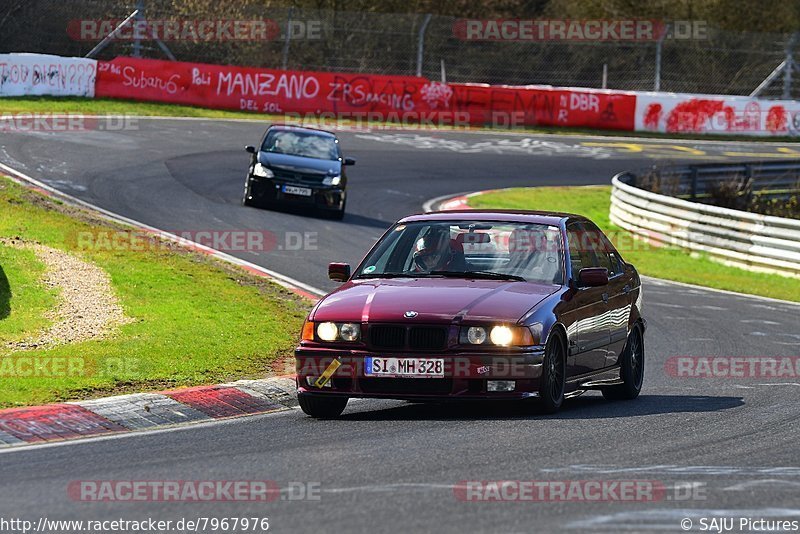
304 144
468 249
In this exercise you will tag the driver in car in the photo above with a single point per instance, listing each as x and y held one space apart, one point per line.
277 146
439 252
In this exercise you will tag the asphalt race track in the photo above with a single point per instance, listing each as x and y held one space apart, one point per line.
391 466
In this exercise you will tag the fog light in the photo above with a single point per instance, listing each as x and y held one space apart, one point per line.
310 380
500 385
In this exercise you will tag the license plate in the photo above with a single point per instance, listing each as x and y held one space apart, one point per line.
406 367
293 190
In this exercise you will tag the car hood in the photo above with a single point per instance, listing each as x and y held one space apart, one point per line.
434 299
300 164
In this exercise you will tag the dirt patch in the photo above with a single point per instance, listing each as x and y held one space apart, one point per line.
87 307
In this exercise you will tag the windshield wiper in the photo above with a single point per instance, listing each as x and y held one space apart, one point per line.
489 275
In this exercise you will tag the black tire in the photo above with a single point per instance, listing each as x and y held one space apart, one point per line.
245 200
337 215
631 369
322 407
554 375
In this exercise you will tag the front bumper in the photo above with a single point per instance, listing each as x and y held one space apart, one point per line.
270 191
465 375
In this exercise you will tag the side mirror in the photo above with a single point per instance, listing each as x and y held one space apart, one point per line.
250 148
349 161
339 272
593 277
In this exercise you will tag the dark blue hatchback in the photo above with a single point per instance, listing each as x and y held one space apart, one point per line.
297 166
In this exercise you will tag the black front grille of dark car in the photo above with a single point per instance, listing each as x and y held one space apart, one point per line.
387 337
419 386
298 176
427 338
408 337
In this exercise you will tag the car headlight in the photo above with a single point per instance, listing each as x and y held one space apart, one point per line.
476 335
329 331
262 172
350 331
501 335
498 335
332 180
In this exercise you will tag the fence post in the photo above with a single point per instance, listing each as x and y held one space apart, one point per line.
787 67
287 39
111 36
421 43
659 46
137 43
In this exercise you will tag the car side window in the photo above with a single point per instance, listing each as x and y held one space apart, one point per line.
581 254
616 264
594 240
598 243
605 251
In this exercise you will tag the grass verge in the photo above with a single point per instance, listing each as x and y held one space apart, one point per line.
20 276
108 106
661 262
197 320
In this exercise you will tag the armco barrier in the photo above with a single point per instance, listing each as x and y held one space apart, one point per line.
716 114
774 179
363 97
412 99
327 97
747 240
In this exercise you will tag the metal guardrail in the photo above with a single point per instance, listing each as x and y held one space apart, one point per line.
748 240
695 182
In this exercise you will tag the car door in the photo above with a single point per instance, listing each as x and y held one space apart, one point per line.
619 300
590 334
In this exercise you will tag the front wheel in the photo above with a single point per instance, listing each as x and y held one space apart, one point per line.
337 215
631 371
554 376
246 200
322 407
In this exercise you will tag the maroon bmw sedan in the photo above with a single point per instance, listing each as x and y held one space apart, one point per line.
477 305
